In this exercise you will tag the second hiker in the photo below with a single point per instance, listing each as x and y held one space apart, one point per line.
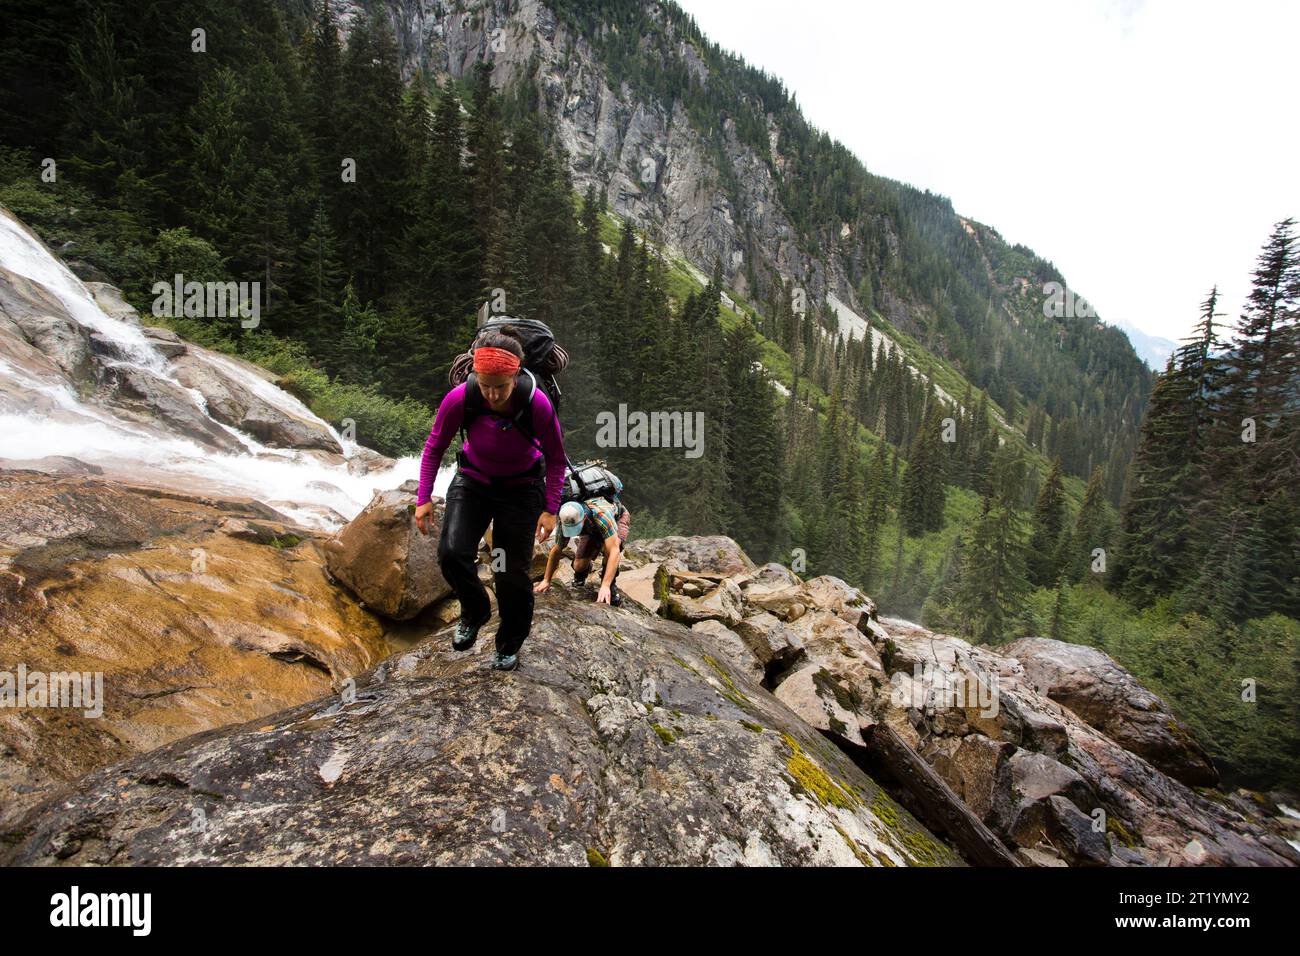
598 525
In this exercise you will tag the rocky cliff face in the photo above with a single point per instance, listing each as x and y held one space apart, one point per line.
652 165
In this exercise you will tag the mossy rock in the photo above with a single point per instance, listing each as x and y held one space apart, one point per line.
846 697
813 780
666 735
1119 831
887 654
732 693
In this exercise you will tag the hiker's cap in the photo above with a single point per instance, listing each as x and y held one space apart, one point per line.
572 517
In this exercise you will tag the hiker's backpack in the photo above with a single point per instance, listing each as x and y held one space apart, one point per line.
591 479
544 358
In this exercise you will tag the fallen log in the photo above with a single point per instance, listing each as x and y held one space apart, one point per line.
931 798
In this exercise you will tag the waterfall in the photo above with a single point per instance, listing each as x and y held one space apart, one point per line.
42 415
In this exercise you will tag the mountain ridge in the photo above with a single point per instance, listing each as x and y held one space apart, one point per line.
780 205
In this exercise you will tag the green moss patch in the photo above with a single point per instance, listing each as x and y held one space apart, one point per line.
666 735
813 780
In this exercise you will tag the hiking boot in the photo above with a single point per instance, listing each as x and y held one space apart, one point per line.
505 662
467 634
580 577
615 595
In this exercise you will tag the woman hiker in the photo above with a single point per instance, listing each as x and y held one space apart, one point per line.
499 479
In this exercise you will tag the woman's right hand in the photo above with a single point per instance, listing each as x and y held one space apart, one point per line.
424 517
542 585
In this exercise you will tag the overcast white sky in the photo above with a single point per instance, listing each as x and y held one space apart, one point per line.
1146 148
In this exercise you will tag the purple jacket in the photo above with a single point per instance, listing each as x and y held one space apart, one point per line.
491 451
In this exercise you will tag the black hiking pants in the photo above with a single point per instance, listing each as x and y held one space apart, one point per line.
513 511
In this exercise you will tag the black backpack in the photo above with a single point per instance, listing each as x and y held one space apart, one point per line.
544 358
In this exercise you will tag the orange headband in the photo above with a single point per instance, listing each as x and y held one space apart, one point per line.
489 360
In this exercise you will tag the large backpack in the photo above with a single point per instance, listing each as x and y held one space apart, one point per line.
591 479
544 358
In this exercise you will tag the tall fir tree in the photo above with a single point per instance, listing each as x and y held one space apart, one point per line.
1044 555
993 583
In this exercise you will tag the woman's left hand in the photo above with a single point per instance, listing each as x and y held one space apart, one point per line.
545 525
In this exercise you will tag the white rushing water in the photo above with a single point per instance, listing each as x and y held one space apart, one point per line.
24 254
54 421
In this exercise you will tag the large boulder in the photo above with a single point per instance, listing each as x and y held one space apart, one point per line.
197 612
168 343
1089 682
646 584
770 577
1040 776
110 299
837 670
382 558
36 314
974 766
826 593
1034 779
365 460
152 397
829 593
722 603
621 740
716 555
233 402
823 702
775 644
829 638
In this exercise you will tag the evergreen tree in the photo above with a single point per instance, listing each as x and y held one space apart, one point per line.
1060 613
924 492
1152 558
324 66
753 447
1093 528
1045 531
993 581
370 212
485 141
318 278
877 511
